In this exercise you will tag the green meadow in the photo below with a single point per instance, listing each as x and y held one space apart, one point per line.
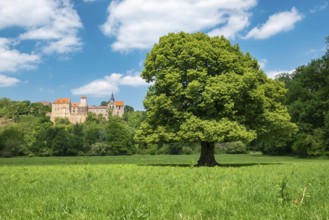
249 186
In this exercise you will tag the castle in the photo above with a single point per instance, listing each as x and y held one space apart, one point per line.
76 112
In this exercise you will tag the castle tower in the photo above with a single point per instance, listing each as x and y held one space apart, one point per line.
115 107
61 108
112 98
83 107
83 101
111 103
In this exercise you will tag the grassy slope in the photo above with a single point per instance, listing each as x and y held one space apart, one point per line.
142 187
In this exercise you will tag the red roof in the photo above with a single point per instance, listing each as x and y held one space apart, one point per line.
119 103
75 104
62 101
83 97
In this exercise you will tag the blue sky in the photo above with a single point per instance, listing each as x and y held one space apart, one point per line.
69 48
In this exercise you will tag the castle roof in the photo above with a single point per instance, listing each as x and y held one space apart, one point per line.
119 103
75 104
112 98
83 97
62 101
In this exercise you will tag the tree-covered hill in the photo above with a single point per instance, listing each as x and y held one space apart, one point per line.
25 129
10 109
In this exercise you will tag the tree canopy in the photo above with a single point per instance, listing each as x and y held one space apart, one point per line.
206 90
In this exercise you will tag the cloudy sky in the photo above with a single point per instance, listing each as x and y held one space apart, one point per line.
70 48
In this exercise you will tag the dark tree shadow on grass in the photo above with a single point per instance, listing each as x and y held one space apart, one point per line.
224 165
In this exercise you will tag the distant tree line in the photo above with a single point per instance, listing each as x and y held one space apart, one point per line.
35 135
307 100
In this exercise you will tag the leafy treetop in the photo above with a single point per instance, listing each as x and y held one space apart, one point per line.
204 89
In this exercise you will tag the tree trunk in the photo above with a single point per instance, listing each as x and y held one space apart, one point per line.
207 156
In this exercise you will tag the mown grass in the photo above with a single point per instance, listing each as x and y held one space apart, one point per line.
164 187
161 160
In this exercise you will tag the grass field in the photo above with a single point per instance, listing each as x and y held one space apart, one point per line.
164 187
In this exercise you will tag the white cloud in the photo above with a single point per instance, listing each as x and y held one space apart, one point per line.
133 80
279 22
319 8
60 33
52 25
273 73
6 81
138 24
100 87
12 60
315 53
108 84
262 63
235 23
26 14
64 45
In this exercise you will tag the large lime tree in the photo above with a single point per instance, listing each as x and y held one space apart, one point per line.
206 90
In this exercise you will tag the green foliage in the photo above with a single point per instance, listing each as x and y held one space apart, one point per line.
91 133
76 144
128 108
134 119
90 138
310 144
92 117
60 141
104 103
39 110
173 148
28 131
62 122
13 109
308 103
37 136
118 137
4 107
284 196
11 142
206 90
100 149
236 147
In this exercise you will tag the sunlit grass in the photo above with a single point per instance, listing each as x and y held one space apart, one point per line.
223 159
163 187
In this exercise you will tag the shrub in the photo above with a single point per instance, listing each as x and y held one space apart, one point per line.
152 149
99 149
11 142
310 144
187 150
231 148
118 137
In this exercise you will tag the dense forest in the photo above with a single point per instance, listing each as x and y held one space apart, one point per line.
26 130
307 100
